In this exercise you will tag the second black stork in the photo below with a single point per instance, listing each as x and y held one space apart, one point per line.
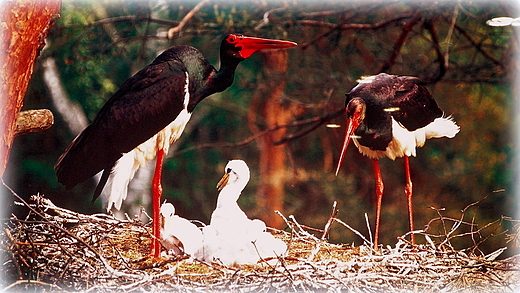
389 116
147 114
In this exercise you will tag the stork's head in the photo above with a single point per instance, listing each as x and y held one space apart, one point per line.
355 109
242 47
167 210
236 174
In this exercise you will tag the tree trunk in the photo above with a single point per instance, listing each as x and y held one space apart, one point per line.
268 102
71 112
23 30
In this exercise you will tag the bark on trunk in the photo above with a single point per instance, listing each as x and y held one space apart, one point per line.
268 101
23 30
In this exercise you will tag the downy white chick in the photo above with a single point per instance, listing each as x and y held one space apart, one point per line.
178 234
231 236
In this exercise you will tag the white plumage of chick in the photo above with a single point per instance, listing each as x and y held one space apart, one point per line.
231 236
178 234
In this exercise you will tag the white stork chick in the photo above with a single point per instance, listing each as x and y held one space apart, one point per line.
178 234
231 236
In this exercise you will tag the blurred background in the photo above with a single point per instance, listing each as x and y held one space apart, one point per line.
276 113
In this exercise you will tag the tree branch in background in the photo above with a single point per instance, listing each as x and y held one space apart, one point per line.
449 34
266 20
400 42
71 112
101 13
319 120
349 26
174 30
132 18
435 40
477 45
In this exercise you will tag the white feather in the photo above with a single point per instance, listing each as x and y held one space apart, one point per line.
126 167
405 142
120 176
187 232
231 236
366 79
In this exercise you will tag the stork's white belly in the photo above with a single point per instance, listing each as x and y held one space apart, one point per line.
126 167
405 142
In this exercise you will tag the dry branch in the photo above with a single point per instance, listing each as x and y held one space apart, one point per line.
175 30
400 42
32 121
315 122
55 250
130 18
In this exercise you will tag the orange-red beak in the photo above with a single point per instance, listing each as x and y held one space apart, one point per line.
351 128
252 44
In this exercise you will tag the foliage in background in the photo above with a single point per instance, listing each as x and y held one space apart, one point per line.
468 65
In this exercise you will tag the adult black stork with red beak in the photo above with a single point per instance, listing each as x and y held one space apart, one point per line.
390 116
147 114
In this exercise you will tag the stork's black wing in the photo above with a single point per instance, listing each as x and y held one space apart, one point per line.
146 103
412 105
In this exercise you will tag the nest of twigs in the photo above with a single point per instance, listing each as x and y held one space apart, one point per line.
55 250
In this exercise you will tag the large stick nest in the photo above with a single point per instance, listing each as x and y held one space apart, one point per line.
54 250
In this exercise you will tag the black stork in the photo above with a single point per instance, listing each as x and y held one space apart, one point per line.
390 116
147 114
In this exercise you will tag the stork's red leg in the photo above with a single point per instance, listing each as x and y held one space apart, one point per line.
379 193
156 204
408 192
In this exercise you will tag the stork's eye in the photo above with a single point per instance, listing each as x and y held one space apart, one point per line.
232 39
228 170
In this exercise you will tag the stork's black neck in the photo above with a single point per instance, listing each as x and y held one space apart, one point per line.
205 80
224 77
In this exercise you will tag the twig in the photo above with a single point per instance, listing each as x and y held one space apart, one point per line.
368 228
400 42
123 18
319 120
482 199
367 242
332 216
443 64
100 257
32 282
265 19
348 26
68 263
174 30
301 229
447 41
476 45
284 218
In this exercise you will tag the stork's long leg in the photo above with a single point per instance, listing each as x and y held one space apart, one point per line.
156 203
379 193
408 192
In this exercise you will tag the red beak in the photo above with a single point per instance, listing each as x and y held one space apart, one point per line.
352 126
251 44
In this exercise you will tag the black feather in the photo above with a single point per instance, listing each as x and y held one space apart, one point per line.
404 98
144 105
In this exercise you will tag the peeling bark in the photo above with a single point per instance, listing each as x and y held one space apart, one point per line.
23 30
32 121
